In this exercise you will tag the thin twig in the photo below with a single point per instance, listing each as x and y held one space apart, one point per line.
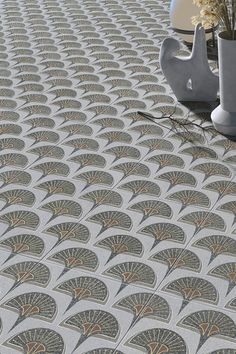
152 118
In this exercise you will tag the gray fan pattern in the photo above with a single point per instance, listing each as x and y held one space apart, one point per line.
117 233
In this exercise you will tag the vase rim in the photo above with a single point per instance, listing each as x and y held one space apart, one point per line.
224 35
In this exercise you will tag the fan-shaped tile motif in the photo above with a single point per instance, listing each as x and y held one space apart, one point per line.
143 305
88 160
147 129
25 243
89 87
84 288
72 116
82 144
138 187
74 129
178 178
102 109
164 160
200 152
17 196
116 136
43 136
95 177
40 123
160 99
203 219
169 111
32 304
11 144
21 218
178 258
11 129
123 152
222 188
57 186
162 232
75 80
69 231
76 257
157 144
103 196
212 169
63 92
156 340
13 159
52 168
209 323
121 244
229 207
110 351
152 88
132 272
189 137
123 92
109 123
49 151
63 207
15 177
110 219
226 144
101 323
217 245
27 271
192 289
9 115
226 271
190 198
47 339
67 103
132 168
231 304
152 208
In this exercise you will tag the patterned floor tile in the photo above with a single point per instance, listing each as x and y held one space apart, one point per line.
215 262
207 325
74 295
110 221
20 271
27 244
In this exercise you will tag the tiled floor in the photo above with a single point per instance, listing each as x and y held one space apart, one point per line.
118 235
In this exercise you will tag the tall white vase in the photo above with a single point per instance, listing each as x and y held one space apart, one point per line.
224 116
181 13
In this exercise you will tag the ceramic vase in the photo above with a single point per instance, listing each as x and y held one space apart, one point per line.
224 116
181 13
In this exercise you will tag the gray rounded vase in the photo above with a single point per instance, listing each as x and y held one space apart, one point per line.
181 13
224 116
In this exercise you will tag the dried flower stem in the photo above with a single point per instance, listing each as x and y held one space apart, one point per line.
213 12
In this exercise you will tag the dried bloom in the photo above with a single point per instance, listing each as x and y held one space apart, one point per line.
215 12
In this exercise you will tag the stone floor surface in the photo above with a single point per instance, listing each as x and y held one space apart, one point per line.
118 234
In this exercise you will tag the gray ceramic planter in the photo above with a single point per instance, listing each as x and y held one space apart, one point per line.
224 116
